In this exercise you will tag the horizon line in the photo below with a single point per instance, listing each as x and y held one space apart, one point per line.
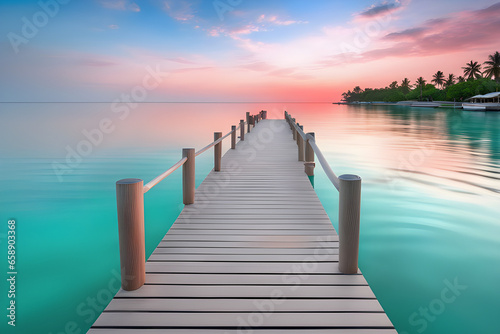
165 102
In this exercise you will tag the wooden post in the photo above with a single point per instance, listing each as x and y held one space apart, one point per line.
233 137
130 205
248 121
217 152
188 176
297 135
242 130
300 141
309 164
349 214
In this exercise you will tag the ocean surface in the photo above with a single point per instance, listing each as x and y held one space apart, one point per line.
430 224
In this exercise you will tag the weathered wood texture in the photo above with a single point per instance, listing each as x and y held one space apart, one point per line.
130 205
255 253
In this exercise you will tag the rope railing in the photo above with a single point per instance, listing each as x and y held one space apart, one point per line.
326 166
209 146
130 201
349 188
181 162
160 177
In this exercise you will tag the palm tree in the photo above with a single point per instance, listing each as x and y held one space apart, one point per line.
472 70
492 66
438 78
357 90
421 82
346 96
405 84
393 85
450 81
460 79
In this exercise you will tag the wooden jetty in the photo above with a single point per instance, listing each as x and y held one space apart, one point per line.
255 252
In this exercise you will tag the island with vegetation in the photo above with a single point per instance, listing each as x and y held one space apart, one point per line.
477 79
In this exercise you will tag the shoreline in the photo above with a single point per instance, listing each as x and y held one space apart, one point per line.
415 104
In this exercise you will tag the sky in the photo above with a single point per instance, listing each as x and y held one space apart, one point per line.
232 50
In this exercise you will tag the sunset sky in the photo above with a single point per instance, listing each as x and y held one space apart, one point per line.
233 50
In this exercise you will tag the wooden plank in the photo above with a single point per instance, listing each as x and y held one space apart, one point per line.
250 232
248 244
252 211
243 305
230 226
258 216
240 250
256 291
234 204
240 331
248 220
240 258
243 238
311 267
238 320
255 279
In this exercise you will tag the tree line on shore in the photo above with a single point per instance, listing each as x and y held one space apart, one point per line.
476 79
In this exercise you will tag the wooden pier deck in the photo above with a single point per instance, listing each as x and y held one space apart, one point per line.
255 253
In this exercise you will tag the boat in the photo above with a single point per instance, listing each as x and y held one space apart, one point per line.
425 104
474 106
487 102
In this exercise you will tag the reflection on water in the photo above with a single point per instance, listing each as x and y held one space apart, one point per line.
430 208
429 200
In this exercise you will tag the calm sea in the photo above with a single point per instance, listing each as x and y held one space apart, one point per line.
430 235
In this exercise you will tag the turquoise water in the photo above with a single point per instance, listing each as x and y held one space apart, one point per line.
431 182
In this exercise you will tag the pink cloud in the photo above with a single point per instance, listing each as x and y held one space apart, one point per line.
260 66
457 32
274 20
407 34
246 30
275 71
263 23
192 69
233 33
385 8
180 60
180 10
120 5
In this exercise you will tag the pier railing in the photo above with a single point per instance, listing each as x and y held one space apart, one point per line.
349 187
130 201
